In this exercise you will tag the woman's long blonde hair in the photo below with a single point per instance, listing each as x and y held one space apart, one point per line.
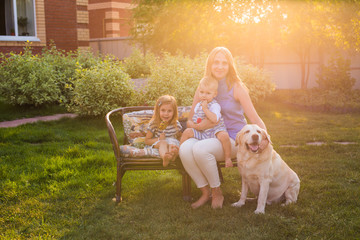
166 99
232 76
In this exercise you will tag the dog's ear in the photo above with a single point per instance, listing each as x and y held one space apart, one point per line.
265 139
267 136
237 138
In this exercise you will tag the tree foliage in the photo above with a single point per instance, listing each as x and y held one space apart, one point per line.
249 28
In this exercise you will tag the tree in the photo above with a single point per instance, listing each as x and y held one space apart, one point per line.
250 28
189 26
255 27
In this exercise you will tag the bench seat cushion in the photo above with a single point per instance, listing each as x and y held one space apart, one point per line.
134 152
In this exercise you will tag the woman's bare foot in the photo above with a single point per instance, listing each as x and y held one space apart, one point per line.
203 199
217 198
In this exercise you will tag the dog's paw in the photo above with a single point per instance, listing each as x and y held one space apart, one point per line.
259 211
237 204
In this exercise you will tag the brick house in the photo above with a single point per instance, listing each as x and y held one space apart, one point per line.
109 18
69 23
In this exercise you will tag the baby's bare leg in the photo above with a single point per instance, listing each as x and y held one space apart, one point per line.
188 133
225 141
174 150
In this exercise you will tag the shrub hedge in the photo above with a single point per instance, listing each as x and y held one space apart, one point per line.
92 85
25 79
137 65
101 88
179 76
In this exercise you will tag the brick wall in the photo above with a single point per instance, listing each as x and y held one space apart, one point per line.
61 25
109 18
18 49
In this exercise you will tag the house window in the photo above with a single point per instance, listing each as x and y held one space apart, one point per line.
17 20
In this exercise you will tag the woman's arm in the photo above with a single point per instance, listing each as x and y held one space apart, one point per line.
241 94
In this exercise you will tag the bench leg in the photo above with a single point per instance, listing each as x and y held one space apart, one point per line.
220 173
186 182
119 176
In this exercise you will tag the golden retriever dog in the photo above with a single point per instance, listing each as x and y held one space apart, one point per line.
263 171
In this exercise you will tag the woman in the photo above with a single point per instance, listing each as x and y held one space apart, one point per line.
199 157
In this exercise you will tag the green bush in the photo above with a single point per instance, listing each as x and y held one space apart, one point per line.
65 65
63 70
41 79
100 88
336 76
137 65
257 80
27 79
180 75
175 75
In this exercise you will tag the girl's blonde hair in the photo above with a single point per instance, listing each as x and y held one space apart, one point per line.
232 76
166 99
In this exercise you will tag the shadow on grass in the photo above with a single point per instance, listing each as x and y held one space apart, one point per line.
9 112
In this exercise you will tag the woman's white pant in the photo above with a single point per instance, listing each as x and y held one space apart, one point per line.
199 160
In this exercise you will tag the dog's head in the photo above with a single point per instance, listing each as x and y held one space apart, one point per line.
252 138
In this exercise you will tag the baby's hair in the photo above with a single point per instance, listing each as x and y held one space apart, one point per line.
209 83
166 99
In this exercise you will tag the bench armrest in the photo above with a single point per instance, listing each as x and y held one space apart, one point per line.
111 130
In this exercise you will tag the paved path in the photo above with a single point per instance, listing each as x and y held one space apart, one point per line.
19 122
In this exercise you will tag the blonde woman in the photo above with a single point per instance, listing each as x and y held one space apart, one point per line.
199 156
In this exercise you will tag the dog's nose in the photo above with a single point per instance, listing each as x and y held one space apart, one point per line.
255 137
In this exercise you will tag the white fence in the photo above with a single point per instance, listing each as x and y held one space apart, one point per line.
283 66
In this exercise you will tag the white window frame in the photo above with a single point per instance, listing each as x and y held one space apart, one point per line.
21 38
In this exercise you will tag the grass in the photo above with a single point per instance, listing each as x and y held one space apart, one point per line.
56 182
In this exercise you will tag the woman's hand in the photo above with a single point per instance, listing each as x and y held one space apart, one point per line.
162 136
190 124
204 124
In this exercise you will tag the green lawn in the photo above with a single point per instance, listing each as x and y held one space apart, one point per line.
56 182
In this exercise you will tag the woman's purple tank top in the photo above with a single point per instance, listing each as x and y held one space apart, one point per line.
231 110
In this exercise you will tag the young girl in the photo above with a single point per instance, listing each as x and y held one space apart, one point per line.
164 129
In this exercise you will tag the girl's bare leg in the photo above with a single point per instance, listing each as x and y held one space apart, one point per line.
205 196
165 155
